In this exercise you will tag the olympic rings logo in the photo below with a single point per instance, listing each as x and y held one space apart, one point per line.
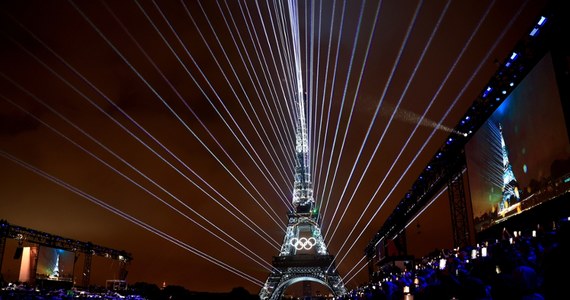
303 243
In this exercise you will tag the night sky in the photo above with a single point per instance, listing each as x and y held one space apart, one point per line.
180 116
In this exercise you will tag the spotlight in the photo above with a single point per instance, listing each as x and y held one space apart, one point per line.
487 91
541 21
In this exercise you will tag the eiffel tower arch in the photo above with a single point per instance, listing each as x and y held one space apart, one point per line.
303 255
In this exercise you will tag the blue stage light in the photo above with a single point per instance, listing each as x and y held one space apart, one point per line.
487 91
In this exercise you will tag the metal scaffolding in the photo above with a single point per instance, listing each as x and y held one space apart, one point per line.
89 249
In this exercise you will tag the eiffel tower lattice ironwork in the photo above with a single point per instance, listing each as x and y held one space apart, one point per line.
510 194
304 255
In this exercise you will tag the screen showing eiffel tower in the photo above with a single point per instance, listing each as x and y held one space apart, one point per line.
55 264
521 156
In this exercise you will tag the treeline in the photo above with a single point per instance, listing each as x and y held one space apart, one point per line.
174 292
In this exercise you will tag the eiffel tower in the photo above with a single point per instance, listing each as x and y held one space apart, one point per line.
304 255
510 194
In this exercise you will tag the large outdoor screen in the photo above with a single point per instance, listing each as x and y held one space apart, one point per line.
520 157
55 264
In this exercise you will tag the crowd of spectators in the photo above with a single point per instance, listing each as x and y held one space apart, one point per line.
516 266
15 291
137 291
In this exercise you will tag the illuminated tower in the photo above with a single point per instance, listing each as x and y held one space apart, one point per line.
304 255
510 193
55 271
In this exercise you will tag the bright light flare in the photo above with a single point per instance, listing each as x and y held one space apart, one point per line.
413 118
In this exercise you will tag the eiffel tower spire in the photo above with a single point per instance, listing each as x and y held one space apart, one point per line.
302 188
510 194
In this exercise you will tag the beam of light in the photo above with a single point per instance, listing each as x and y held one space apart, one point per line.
380 103
341 25
294 22
288 40
230 63
352 111
283 42
217 111
312 132
341 109
132 219
494 155
281 9
347 274
299 99
417 126
257 44
286 66
448 110
404 92
425 207
406 226
205 127
302 146
166 104
413 132
237 77
259 259
310 66
413 118
263 95
346 83
357 271
268 79
317 183
137 138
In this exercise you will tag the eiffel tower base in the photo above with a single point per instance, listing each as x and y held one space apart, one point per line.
301 267
303 257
